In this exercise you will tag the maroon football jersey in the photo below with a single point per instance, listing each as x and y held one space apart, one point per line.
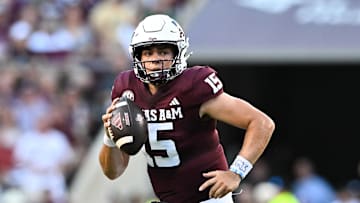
181 145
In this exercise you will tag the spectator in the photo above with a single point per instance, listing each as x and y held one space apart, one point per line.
112 21
4 23
284 195
344 195
78 30
43 157
310 187
29 105
20 31
263 192
9 133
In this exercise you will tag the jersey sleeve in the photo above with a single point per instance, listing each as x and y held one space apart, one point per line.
207 84
115 89
121 81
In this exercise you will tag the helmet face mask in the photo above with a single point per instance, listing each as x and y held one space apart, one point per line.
157 30
157 77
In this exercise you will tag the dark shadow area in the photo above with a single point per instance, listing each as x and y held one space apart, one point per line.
316 110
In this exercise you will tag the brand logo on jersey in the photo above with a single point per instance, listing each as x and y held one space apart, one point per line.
174 102
172 113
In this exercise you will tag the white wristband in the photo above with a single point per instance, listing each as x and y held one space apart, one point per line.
241 166
108 142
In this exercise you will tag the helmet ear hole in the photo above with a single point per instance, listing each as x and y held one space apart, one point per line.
174 49
137 53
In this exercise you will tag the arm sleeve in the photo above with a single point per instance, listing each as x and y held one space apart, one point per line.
207 84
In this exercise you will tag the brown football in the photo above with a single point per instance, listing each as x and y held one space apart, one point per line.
129 126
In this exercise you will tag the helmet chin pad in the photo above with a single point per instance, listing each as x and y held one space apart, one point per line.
158 77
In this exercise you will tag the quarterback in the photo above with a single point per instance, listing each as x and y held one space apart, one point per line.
186 162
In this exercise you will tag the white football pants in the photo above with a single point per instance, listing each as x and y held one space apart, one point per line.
226 199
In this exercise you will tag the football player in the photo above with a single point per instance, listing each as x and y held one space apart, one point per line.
186 162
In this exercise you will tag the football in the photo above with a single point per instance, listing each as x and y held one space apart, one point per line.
128 126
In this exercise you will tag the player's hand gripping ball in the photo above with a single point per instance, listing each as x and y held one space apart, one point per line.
128 126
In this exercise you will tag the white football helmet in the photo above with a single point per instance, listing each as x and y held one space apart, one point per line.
159 29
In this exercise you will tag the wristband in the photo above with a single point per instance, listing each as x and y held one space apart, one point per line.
108 142
241 166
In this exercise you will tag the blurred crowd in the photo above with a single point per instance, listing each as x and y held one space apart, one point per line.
58 59
304 185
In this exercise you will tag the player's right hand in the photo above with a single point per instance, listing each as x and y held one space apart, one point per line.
107 115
